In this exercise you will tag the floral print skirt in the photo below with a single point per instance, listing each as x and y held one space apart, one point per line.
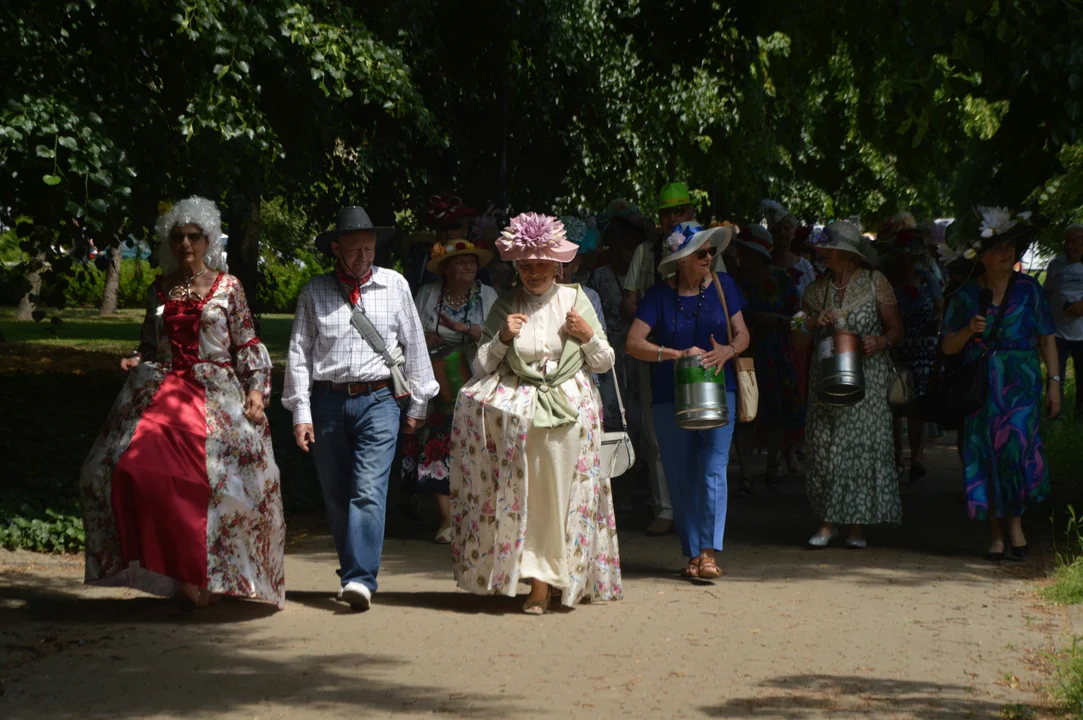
181 488
495 460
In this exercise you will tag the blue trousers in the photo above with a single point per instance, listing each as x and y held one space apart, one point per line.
695 463
355 444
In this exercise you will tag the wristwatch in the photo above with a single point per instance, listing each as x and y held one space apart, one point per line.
1054 378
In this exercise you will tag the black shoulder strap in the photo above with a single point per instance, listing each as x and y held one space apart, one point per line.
1001 309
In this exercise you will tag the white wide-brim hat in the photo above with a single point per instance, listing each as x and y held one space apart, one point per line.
687 238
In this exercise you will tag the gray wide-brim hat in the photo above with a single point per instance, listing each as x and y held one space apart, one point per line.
845 236
350 220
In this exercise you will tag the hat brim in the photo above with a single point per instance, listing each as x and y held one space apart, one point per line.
563 252
748 245
484 258
843 246
324 239
1021 237
679 202
720 237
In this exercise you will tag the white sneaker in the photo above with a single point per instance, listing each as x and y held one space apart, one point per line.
338 595
819 541
856 543
357 596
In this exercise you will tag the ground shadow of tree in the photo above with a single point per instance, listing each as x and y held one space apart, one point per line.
798 697
140 657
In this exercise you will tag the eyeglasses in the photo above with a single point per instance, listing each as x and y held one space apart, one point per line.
679 210
193 237
707 251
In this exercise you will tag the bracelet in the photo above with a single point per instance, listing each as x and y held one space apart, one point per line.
1054 378
661 349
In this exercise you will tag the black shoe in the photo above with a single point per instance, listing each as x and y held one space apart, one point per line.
1020 552
994 557
917 472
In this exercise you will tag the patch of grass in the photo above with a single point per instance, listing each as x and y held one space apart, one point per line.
1068 686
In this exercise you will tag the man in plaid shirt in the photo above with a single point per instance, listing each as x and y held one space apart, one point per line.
339 391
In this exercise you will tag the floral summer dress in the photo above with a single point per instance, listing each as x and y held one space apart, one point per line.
1002 447
180 487
850 451
500 460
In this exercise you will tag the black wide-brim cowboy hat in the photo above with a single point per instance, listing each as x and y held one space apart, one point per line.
350 220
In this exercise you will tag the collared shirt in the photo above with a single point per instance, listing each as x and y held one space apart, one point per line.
325 346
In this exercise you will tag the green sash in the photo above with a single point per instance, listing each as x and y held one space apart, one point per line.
552 408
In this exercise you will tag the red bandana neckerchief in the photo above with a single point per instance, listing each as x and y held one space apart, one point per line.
354 284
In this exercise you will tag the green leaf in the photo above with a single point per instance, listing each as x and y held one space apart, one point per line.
51 179
99 205
221 70
68 142
45 152
74 208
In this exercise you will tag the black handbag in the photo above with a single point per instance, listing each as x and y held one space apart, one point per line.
970 386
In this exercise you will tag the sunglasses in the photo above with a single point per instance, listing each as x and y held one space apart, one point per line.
706 252
192 237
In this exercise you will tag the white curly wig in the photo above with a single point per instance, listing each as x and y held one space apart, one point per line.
204 214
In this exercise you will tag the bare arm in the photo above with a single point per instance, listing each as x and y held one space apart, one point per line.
1047 345
629 301
638 346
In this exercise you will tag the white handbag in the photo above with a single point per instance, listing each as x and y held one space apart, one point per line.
617 454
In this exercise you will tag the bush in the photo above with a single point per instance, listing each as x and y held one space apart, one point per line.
87 283
51 532
281 282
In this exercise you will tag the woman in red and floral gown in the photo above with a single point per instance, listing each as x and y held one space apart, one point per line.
181 493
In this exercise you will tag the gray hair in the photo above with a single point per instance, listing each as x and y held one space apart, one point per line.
204 214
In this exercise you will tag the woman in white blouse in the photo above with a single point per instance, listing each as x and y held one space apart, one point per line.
529 502
452 311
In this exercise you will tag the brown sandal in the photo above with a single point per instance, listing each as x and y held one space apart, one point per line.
692 570
708 569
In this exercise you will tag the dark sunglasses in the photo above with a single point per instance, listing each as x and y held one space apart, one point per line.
707 251
193 237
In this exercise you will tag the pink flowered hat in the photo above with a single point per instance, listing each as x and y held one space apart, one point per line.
532 236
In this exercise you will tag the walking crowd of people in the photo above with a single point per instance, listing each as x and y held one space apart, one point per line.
509 365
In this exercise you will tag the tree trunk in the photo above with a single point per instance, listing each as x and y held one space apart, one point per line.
112 283
244 228
25 312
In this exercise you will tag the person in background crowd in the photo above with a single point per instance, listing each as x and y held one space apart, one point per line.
452 311
848 450
339 391
783 225
1064 284
529 500
684 314
772 302
181 493
921 306
674 206
450 219
1004 461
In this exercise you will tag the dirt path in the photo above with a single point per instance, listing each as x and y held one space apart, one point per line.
917 626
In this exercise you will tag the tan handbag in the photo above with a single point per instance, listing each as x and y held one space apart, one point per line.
748 390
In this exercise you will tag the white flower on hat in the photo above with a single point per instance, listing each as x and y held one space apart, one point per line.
996 220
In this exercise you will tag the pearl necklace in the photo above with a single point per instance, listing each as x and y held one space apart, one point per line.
457 301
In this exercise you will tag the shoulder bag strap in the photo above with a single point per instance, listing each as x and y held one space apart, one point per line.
725 309
366 329
1001 310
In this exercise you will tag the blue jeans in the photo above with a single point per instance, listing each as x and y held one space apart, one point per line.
355 444
695 463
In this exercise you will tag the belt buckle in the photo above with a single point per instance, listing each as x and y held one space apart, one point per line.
355 389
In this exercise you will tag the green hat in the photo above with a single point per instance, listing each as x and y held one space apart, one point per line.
674 195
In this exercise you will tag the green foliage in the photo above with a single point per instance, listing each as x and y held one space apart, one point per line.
53 532
1068 685
87 283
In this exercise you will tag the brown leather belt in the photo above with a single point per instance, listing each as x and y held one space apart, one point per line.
352 389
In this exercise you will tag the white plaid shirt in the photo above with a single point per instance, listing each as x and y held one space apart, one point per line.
324 345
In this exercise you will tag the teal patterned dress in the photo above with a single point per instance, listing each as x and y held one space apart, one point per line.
1002 447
